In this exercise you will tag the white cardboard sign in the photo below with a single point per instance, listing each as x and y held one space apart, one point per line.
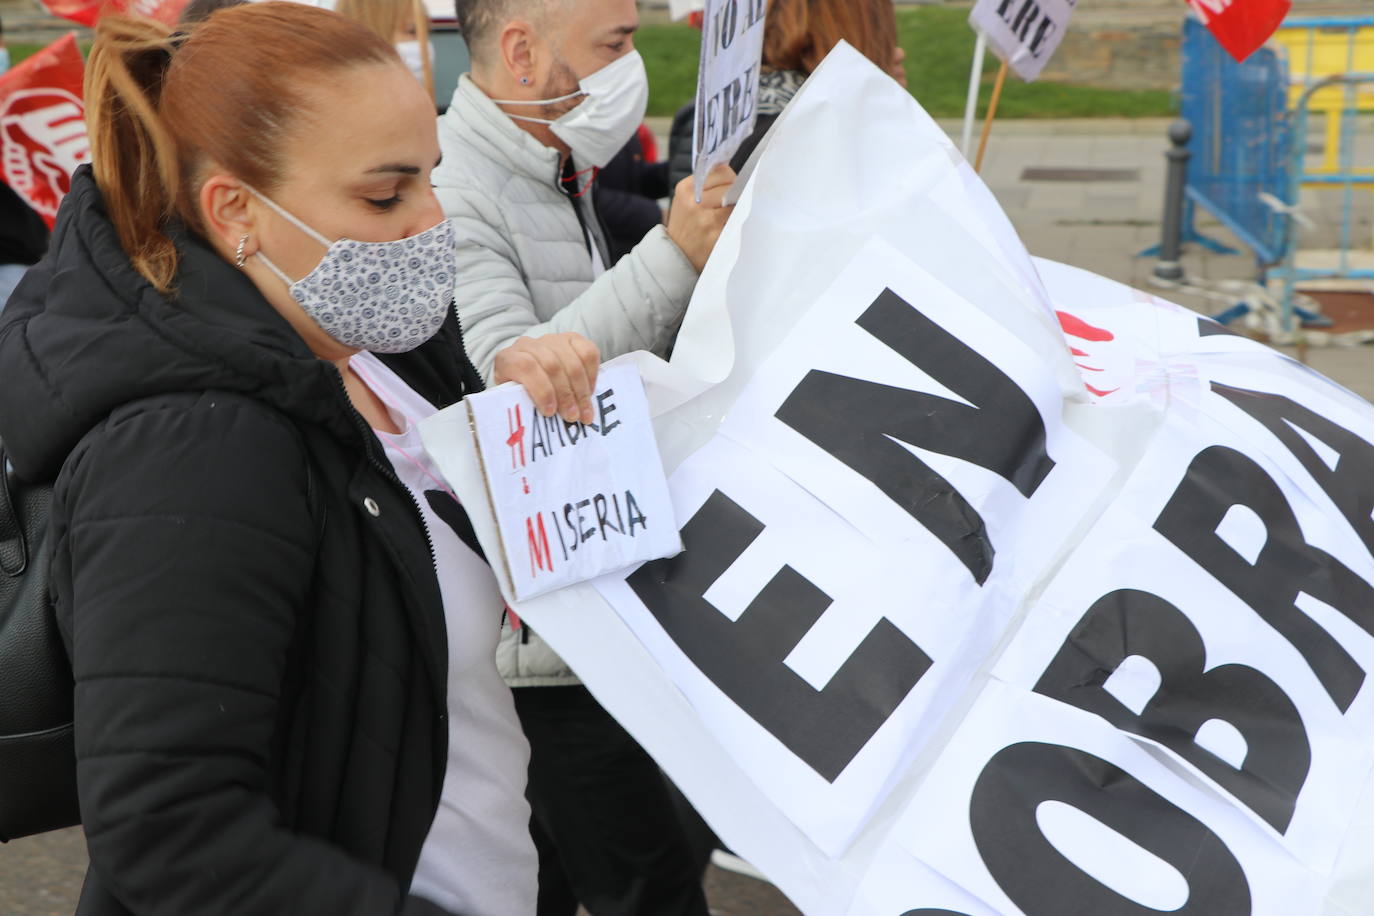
573 500
1024 33
727 82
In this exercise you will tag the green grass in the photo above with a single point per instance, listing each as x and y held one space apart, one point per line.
19 52
939 52
670 55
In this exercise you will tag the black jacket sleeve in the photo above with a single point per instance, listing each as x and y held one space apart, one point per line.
628 216
746 149
680 144
191 543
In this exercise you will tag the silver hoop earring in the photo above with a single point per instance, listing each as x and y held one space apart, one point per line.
239 257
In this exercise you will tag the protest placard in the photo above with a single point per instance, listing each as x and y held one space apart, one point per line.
727 82
573 500
1024 33
1005 588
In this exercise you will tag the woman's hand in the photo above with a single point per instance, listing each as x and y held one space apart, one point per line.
558 371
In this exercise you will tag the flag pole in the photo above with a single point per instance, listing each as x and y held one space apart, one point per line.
971 105
987 118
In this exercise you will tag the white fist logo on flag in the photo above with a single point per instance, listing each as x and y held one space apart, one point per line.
43 133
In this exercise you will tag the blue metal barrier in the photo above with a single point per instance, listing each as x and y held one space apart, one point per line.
1241 140
1347 178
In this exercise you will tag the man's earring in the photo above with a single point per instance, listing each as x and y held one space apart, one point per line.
239 257
524 81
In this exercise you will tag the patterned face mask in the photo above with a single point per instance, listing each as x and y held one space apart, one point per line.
387 297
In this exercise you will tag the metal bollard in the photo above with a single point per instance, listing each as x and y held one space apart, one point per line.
1171 243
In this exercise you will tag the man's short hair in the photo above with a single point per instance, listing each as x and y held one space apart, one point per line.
480 20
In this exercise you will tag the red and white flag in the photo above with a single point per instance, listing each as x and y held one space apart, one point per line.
1241 26
87 12
43 127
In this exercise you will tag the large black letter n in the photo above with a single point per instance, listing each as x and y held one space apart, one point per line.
862 423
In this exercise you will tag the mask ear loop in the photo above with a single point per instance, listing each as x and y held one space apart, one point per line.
282 212
561 98
545 121
267 262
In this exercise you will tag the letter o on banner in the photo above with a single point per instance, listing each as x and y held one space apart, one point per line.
1043 882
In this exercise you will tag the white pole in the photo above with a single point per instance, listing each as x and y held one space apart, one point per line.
971 106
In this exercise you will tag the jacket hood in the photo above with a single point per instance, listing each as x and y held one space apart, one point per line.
85 334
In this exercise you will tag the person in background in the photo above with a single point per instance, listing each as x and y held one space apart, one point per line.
404 23
280 628
798 34
23 239
23 234
628 191
556 90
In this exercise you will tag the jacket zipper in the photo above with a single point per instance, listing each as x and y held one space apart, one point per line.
588 237
387 471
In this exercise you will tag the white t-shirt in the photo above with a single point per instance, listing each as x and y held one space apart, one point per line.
478 859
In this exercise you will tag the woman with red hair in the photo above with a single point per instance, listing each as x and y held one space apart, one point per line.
280 626
798 34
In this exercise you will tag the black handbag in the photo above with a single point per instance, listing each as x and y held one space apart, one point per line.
37 752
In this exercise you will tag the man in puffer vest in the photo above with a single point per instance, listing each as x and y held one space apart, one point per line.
556 90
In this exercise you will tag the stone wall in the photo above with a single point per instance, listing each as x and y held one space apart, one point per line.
1118 55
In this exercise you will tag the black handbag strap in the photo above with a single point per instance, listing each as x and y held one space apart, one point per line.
14 548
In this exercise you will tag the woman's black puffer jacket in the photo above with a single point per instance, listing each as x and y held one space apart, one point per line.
247 592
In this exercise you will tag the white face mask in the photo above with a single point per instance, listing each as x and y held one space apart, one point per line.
617 96
410 56
387 297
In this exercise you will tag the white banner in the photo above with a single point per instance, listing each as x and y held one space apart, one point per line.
727 82
1006 589
1024 33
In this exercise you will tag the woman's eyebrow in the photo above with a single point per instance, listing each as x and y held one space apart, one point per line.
394 167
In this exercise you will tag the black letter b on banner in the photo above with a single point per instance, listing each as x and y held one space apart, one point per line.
1129 623
745 659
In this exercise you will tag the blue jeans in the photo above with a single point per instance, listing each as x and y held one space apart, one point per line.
10 275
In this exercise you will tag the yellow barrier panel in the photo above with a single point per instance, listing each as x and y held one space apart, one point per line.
1318 52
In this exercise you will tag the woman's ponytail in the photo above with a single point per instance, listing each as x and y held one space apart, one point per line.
134 155
162 108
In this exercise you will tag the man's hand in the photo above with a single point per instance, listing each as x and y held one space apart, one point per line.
558 371
693 226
